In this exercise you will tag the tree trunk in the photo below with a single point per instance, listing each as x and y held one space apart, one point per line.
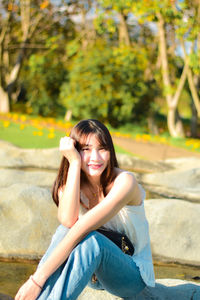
194 120
68 115
194 90
175 126
4 101
123 31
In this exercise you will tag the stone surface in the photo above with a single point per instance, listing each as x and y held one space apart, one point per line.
14 157
28 218
183 163
165 289
5 297
141 165
182 184
38 178
174 230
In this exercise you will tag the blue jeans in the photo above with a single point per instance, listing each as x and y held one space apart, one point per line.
116 272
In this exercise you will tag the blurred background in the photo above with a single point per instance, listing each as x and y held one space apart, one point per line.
134 65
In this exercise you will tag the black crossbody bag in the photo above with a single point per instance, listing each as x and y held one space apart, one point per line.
121 240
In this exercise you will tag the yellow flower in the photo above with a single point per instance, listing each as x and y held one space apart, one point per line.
67 125
146 137
6 124
22 126
51 130
35 133
163 140
60 122
51 135
40 133
196 145
39 127
138 137
15 117
23 118
35 122
117 134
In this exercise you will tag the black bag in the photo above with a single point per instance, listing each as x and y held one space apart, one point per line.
121 240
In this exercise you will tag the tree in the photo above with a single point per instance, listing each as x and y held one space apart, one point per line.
24 28
106 82
43 76
170 16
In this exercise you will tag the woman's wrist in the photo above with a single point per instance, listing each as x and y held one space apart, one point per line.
35 282
75 162
38 278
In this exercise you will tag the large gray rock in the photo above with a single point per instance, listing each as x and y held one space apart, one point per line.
182 184
165 289
14 157
38 178
30 217
142 165
5 297
183 163
174 230
28 220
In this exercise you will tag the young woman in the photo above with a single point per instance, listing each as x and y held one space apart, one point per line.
91 191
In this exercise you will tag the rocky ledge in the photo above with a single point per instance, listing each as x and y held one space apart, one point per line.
165 289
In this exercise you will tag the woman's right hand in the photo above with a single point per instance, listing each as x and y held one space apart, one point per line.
28 291
67 148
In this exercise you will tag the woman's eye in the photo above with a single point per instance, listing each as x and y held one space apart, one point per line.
85 149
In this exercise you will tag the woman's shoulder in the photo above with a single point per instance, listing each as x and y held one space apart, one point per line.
124 176
127 180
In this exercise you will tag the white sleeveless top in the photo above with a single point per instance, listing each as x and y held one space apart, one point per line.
131 220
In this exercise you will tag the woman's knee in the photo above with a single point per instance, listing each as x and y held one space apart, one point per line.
60 233
58 236
92 243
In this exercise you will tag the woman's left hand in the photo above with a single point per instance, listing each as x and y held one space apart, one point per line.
28 291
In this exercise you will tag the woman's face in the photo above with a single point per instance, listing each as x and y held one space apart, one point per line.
94 158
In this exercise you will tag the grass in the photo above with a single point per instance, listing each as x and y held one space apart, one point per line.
36 132
28 136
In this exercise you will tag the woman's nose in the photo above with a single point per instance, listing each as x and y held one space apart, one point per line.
94 154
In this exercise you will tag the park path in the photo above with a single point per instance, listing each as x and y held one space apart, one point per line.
152 151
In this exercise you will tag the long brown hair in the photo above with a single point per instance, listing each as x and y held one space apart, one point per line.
80 133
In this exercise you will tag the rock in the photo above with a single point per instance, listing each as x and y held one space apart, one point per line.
14 157
174 230
182 184
28 218
165 289
141 165
38 178
169 289
5 297
183 163
89 293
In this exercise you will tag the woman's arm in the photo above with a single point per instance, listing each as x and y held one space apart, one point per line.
69 195
123 189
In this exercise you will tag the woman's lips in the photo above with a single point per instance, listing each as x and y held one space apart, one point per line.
95 166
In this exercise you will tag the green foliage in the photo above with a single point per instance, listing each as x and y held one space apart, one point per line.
107 83
44 76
